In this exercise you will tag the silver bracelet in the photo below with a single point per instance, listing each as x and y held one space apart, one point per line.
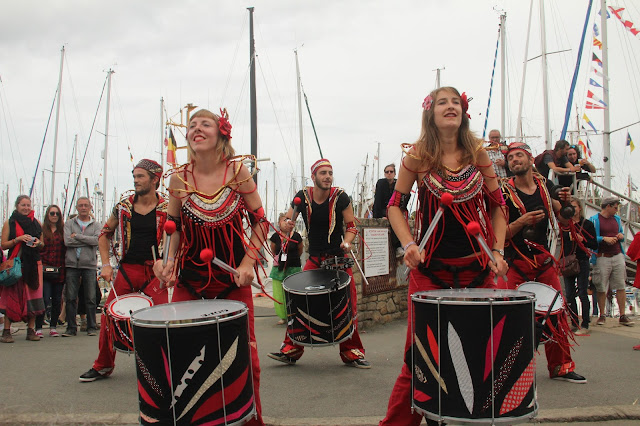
409 244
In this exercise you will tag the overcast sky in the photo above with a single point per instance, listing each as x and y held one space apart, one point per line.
365 66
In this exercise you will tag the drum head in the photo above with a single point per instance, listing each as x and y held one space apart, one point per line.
470 295
544 296
315 281
185 314
123 306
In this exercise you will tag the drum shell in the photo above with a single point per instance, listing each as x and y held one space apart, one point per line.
320 316
120 325
170 353
473 321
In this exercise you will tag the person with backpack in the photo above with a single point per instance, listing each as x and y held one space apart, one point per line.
555 159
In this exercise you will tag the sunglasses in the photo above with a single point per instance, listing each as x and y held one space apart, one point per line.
54 213
389 171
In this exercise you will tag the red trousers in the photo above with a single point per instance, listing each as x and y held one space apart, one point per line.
351 348
558 353
138 275
399 409
241 294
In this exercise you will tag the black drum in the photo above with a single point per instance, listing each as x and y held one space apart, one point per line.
472 355
319 311
193 363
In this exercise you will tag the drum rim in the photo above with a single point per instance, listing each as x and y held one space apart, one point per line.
518 297
543 285
326 291
137 295
147 323
506 419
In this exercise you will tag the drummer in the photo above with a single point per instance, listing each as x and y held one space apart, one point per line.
447 158
327 213
530 206
211 199
139 218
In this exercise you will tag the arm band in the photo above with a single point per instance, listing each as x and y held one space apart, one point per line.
496 197
351 227
177 220
398 199
106 232
257 216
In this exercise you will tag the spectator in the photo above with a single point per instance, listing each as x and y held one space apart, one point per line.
573 155
496 149
81 239
610 268
22 301
578 239
53 261
556 160
384 189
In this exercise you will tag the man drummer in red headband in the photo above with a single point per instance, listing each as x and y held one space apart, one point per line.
530 204
326 211
140 219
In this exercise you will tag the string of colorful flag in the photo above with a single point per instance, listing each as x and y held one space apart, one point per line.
593 100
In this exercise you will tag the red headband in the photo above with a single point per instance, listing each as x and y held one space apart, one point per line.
323 162
520 145
150 166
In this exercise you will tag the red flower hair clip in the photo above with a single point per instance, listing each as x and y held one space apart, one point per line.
464 102
426 104
223 124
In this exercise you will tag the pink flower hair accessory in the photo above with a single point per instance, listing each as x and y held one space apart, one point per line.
224 126
426 104
464 102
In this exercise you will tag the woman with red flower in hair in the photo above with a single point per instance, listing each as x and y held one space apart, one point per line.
446 159
211 199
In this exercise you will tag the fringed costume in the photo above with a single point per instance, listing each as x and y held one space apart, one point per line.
453 257
219 222
527 254
137 234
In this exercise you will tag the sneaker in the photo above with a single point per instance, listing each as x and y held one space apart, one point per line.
280 322
39 334
61 322
636 348
31 335
574 329
572 377
601 320
69 333
624 320
91 376
359 363
279 356
6 336
54 333
91 332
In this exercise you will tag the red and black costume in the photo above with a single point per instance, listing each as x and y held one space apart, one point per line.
529 260
453 258
325 226
137 234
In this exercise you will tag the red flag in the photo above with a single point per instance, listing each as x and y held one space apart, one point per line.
170 143
591 105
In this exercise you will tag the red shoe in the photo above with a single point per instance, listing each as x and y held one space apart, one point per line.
636 348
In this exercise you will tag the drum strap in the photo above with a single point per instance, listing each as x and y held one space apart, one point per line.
455 270
222 295
121 270
523 275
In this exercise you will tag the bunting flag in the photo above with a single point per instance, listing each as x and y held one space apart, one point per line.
595 30
591 95
594 83
583 148
595 59
170 143
632 185
597 72
586 119
627 24
591 105
630 142
597 43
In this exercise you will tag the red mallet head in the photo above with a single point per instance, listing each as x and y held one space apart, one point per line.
473 228
446 199
206 255
169 227
297 201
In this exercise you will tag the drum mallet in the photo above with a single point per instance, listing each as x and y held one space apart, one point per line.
207 256
169 228
474 229
356 261
445 201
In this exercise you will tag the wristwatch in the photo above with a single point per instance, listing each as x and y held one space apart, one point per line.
498 251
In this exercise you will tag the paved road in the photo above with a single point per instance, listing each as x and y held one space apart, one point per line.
40 380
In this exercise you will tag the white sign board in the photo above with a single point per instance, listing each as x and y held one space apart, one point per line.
376 251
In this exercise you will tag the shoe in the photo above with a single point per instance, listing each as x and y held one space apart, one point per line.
61 322
69 333
624 320
91 332
54 333
399 252
601 320
91 376
582 332
572 377
6 336
636 348
39 334
359 363
83 325
281 322
279 356
574 329
31 335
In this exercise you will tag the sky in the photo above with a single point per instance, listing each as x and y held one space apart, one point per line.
365 68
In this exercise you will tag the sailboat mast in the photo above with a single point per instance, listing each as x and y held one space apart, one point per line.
55 136
252 92
162 157
503 48
299 84
106 148
606 135
524 74
545 95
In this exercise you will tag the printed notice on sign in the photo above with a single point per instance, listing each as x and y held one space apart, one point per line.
376 251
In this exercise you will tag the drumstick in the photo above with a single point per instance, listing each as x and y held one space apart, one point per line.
153 253
207 255
445 201
474 229
169 228
356 261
